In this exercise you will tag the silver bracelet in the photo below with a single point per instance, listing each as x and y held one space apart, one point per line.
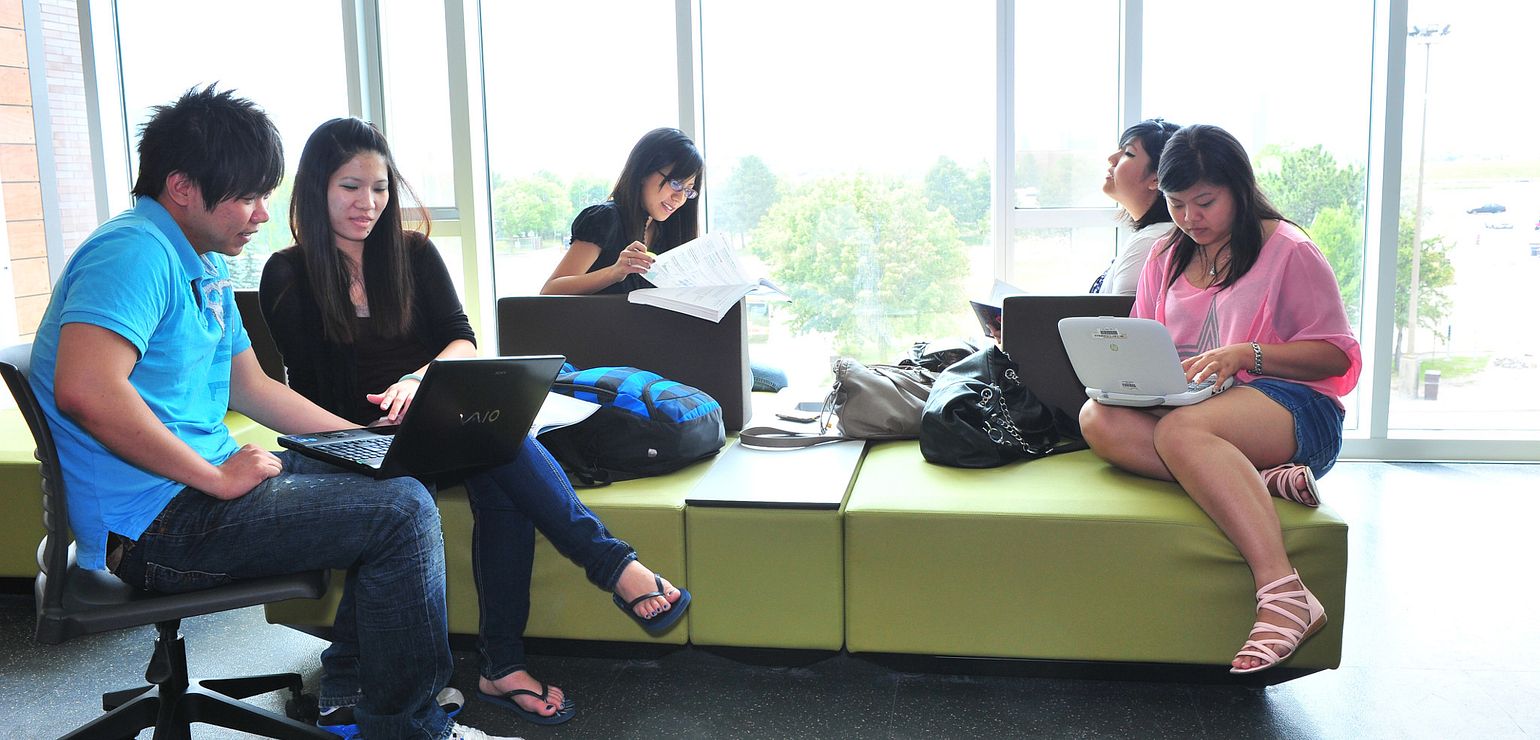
418 378
1256 351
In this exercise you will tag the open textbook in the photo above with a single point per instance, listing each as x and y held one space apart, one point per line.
702 277
988 310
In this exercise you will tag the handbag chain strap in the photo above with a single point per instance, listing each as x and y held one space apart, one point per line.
998 413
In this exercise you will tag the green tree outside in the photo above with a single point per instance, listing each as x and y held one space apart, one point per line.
744 198
533 206
1309 187
584 192
1308 181
1435 273
964 194
863 259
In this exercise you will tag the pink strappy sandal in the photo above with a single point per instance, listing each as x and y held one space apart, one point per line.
1292 482
1289 638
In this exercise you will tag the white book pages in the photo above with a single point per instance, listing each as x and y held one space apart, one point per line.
560 411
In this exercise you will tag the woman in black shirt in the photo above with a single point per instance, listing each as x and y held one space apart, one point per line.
358 307
652 209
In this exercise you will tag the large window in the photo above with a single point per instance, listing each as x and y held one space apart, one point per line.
885 164
1066 122
1467 354
850 151
1303 117
570 87
170 46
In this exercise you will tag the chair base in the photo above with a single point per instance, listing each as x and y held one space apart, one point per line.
171 705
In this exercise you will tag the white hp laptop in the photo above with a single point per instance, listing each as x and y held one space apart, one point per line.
1130 362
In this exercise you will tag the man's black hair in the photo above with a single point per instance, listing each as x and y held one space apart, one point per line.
224 144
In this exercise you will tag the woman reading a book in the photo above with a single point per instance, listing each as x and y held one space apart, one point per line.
1245 294
652 209
1131 182
358 307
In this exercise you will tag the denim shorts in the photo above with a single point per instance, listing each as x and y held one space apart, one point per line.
1317 422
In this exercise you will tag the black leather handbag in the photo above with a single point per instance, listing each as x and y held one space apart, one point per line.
980 415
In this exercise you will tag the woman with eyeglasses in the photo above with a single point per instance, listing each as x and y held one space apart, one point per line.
652 209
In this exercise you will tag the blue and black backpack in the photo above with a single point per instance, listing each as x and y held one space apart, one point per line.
646 425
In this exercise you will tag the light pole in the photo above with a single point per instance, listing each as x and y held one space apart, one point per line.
1425 34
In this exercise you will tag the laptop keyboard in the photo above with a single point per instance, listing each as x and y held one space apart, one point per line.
360 450
1196 386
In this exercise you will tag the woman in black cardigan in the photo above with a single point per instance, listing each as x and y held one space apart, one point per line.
358 307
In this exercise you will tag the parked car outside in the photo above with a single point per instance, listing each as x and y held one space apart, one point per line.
1488 208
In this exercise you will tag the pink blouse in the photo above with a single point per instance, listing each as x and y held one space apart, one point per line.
1289 295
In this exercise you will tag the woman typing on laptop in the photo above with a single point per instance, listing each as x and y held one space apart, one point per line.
358 307
1244 294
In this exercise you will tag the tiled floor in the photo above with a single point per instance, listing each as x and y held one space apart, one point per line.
1440 642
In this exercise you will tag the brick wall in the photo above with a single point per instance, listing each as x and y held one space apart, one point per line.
67 118
19 174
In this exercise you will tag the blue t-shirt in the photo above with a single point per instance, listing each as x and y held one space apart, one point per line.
138 277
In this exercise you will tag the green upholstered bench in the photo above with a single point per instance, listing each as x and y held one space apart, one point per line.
1064 558
21 526
648 513
765 546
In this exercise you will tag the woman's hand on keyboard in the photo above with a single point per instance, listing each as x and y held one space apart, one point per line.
1220 363
395 400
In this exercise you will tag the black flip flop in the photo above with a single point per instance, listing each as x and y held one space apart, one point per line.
661 621
567 711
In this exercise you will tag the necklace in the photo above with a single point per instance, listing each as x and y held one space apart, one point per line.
1212 266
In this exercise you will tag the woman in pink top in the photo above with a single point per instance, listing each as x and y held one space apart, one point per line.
1245 294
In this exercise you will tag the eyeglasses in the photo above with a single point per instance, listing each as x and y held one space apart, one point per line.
678 187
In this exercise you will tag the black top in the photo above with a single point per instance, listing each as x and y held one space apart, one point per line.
336 376
600 224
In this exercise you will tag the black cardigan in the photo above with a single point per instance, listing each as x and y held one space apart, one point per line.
327 372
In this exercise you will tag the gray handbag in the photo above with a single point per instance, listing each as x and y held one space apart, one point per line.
867 402
879 401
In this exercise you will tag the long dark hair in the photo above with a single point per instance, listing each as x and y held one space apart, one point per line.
1205 153
670 152
1152 134
386 268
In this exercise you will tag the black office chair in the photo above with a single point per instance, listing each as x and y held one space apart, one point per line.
74 601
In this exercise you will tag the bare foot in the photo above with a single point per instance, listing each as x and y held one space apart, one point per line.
636 580
522 680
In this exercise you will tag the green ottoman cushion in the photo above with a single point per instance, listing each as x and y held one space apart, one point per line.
766 569
1063 558
21 529
647 512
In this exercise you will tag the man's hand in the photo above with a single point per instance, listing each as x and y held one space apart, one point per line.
243 471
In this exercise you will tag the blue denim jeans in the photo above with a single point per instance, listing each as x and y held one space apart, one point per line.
1317 422
509 503
390 654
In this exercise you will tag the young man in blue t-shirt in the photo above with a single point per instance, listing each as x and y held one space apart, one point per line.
138 358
